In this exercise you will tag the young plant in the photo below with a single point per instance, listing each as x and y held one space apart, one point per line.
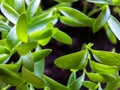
25 27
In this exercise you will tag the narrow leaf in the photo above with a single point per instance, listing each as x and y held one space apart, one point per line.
42 34
11 40
67 21
21 28
96 77
41 54
75 60
101 19
69 1
105 57
26 47
27 61
103 69
101 1
33 79
9 12
77 16
40 25
76 85
53 85
114 24
63 37
90 85
10 77
32 8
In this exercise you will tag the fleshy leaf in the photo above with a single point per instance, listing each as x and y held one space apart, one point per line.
76 85
21 28
32 8
33 79
11 40
96 77
101 1
106 57
75 60
76 16
10 77
101 19
26 47
27 61
41 54
103 69
114 24
63 37
9 12
90 85
42 34
53 85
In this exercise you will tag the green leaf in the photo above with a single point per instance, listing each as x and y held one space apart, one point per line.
116 2
12 67
9 12
62 37
4 58
96 77
76 85
44 42
19 6
21 28
75 60
42 34
53 85
114 85
76 16
26 47
41 54
67 21
101 19
103 69
4 26
72 78
90 85
68 1
39 67
10 77
27 61
33 79
101 1
32 8
114 24
3 50
40 25
110 34
11 40
40 17
105 57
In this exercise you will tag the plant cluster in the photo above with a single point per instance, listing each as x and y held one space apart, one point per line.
25 27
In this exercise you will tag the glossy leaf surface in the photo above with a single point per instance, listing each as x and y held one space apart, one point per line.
103 69
105 57
33 79
26 47
63 37
75 60
101 19
53 85
114 24
21 28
